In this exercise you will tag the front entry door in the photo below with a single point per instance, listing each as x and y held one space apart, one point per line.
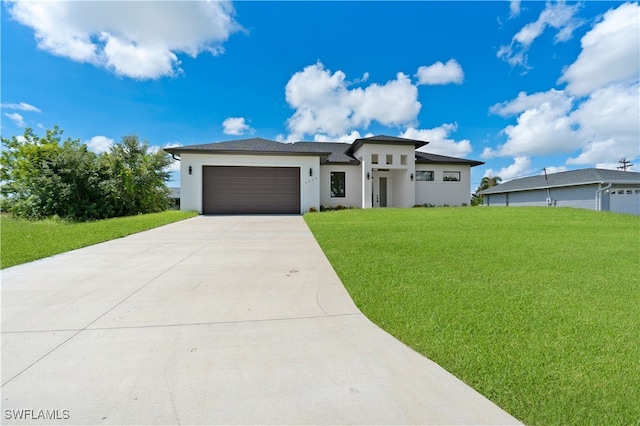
383 192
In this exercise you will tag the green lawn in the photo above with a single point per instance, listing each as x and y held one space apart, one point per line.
536 308
23 241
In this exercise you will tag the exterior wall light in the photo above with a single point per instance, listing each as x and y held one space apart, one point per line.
368 175
190 170
310 172
411 177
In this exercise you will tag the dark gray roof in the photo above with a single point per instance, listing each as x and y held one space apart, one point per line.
570 178
427 158
254 145
330 152
338 151
382 139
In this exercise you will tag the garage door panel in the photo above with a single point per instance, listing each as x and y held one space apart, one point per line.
238 190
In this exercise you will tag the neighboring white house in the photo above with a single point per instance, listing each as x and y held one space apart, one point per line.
595 189
262 176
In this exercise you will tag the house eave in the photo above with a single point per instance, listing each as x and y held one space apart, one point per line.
470 163
181 150
497 190
359 142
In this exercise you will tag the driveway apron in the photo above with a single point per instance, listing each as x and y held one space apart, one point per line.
212 320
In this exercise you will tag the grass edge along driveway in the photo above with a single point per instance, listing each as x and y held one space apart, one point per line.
536 308
25 240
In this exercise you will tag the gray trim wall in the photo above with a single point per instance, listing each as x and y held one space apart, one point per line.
583 197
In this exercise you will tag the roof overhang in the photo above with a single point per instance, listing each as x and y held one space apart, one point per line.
185 149
497 190
382 141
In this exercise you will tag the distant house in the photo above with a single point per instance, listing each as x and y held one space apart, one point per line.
595 189
175 196
262 176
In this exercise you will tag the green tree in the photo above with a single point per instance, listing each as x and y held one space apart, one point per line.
489 181
42 177
486 183
138 177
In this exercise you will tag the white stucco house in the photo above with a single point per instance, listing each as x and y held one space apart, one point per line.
262 176
594 189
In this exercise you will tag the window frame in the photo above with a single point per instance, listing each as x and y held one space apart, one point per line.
446 178
425 173
340 192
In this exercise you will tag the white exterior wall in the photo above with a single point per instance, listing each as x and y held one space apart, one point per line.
440 192
401 192
353 185
191 184
625 199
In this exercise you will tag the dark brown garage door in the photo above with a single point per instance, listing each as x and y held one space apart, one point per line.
242 190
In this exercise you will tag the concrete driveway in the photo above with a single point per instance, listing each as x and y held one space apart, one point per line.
213 320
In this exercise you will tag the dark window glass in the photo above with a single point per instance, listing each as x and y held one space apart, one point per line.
424 175
451 176
337 184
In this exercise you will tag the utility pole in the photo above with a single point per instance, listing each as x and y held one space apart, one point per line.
624 164
548 190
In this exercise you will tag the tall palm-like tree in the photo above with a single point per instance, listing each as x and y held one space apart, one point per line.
485 183
489 181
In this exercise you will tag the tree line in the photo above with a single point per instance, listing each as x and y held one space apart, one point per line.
46 177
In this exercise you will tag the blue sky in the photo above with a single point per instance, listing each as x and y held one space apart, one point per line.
521 86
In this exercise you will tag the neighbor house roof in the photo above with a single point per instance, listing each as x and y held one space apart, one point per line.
330 152
570 178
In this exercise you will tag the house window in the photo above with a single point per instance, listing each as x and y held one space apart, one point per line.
425 175
337 184
374 158
403 160
451 176
389 159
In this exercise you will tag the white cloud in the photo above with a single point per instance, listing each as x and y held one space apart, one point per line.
235 126
514 7
609 124
555 169
439 73
610 52
596 115
543 127
140 40
524 102
559 16
325 104
439 140
99 144
349 138
521 166
22 106
17 119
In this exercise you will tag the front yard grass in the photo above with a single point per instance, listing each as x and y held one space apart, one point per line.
536 308
25 240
